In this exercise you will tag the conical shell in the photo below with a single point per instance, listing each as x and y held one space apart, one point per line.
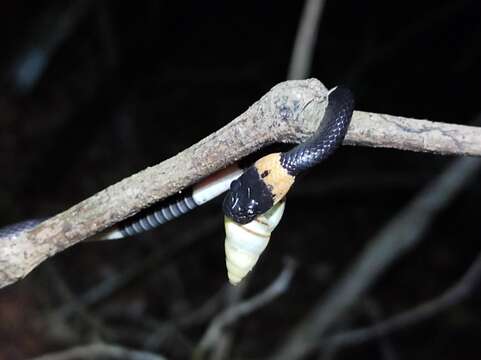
245 243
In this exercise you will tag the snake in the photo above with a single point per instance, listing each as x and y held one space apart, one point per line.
255 202
269 179
251 191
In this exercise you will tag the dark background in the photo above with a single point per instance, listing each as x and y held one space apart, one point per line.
94 91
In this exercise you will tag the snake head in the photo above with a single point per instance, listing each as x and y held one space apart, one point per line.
247 198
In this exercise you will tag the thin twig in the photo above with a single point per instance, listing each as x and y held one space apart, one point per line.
48 35
100 350
454 295
385 345
399 236
99 331
290 112
233 313
165 330
121 279
301 60
221 345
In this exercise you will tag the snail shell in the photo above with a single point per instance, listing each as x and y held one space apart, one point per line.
245 243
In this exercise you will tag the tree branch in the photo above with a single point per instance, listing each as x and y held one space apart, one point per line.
290 112
238 310
100 350
461 290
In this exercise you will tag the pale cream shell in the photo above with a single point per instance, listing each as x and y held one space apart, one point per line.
245 243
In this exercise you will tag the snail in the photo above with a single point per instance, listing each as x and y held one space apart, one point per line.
244 243
255 202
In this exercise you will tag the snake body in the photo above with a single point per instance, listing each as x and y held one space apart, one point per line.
17 228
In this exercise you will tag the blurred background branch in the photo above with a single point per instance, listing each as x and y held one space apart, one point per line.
54 27
100 351
400 235
304 44
460 291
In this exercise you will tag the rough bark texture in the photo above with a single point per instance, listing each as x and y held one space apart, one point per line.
389 131
290 112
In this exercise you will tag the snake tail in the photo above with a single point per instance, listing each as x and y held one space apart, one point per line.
156 215
176 205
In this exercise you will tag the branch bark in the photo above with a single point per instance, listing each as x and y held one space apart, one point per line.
289 112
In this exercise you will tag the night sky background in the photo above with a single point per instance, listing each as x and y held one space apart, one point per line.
95 91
